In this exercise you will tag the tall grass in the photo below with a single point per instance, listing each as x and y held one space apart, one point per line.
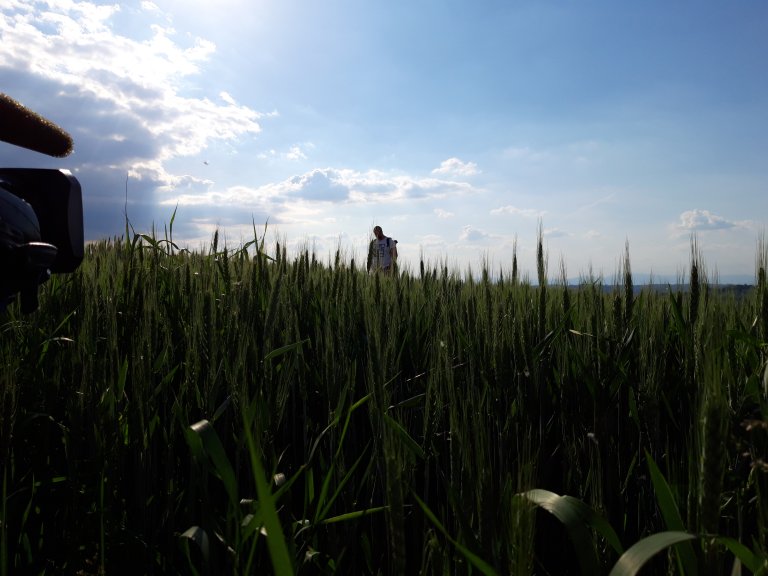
161 403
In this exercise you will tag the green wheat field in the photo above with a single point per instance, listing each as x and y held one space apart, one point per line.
237 411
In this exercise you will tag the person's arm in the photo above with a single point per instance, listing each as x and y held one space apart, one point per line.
393 250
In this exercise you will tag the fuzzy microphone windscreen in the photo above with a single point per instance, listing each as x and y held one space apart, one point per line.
22 127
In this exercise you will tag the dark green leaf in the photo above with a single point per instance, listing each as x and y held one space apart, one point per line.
577 518
671 515
635 558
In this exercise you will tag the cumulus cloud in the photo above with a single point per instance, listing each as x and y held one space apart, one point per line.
472 234
440 213
701 220
456 167
321 185
123 100
295 153
526 212
377 186
431 241
555 233
308 196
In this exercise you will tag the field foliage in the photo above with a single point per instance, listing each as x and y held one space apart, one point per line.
241 412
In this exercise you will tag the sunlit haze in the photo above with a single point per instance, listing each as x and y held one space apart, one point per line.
462 128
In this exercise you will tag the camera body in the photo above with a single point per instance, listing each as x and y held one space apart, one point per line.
41 230
41 210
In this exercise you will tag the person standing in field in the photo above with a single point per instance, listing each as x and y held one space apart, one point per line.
382 252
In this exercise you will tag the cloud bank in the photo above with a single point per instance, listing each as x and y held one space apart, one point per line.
122 99
697 220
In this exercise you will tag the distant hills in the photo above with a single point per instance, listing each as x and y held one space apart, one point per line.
669 280
739 284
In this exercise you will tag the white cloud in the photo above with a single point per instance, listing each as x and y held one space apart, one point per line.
455 167
377 186
227 98
295 153
526 212
322 185
592 234
472 234
555 233
319 190
440 213
72 45
431 241
701 220
298 151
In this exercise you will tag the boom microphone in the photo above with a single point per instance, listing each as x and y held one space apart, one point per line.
22 127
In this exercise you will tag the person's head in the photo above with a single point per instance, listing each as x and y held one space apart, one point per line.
378 232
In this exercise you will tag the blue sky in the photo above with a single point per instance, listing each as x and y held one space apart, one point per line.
460 127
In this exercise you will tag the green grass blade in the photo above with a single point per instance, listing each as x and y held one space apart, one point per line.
635 558
278 550
170 225
354 515
408 441
343 483
322 508
199 537
475 560
578 519
285 487
215 450
752 561
285 349
251 525
151 241
122 377
352 408
671 515
323 493
412 402
597 522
